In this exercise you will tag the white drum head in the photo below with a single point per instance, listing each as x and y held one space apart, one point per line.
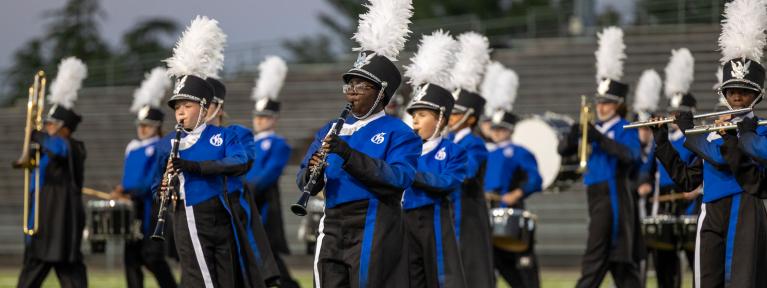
540 139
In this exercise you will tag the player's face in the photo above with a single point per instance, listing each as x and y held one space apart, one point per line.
454 119
264 123
739 98
606 110
144 131
425 123
645 135
500 134
52 127
362 94
189 112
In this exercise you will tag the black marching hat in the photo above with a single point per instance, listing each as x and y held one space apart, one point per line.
150 116
68 117
192 88
432 97
742 73
504 119
266 107
468 101
682 102
219 90
377 69
611 91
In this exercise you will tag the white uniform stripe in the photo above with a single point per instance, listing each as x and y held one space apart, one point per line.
192 226
317 250
697 245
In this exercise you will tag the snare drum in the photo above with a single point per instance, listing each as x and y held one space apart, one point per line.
660 232
110 219
513 229
688 226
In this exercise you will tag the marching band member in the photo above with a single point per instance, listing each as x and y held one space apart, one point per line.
140 167
613 243
369 164
252 244
732 227
470 208
512 173
435 260
56 243
271 155
203 231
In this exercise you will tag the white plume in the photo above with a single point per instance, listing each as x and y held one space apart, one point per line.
743 28
152 89
199 51
680 72
489 86
610 54
384 28
504 93
472 57
719 75
648 92
432 62
69 80
271 76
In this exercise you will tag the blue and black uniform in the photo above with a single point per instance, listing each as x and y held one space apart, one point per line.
271 154
204 232
614 242
56 245
511 167
732 226
471 213
138 172
362 234
435 260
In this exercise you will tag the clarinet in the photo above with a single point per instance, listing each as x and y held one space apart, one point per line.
316 172
169 195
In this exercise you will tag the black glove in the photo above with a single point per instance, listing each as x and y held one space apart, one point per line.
660 133
684 120
186 166
339 146
748 124
594 134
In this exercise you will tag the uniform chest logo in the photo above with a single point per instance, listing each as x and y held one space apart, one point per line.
441 154
508 152
216 140
179 85
266 144
149 151
378 138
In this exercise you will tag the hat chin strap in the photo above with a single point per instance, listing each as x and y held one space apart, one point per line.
463 119
215 113
753 103
199 117
437 131
375 104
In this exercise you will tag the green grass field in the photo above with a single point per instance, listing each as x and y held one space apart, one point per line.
108 279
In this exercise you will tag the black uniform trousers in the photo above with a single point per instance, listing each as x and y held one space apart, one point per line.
731 251
434 262
34 272
597 260
146 253
362 244
205 244
474 235
253 241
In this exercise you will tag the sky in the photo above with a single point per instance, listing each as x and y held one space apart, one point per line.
244 21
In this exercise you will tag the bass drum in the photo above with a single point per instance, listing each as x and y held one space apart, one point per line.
541 134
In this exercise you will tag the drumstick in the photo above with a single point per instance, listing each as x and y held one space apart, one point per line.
492 197
669 197
96 193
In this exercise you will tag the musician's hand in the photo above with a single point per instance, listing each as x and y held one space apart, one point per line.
593 133
748 124
512 197
334 144
659 132
644 189
684 120
689 196
186 166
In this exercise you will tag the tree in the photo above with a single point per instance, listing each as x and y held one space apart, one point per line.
144 47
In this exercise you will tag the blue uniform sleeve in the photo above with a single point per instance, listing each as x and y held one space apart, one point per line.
476 154
234 163
754 145
393 174
267 175
447 181
530 166
54 146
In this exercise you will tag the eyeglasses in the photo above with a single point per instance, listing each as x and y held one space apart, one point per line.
357 88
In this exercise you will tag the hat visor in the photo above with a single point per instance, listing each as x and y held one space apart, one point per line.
422 105
502 125
149 122
458 109
265 113
362 74
178 97
606 98
739 85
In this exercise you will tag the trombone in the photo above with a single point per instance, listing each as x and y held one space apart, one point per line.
583 147
701 129
670 119
30 153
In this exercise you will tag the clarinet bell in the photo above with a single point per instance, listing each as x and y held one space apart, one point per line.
159 231
300 207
